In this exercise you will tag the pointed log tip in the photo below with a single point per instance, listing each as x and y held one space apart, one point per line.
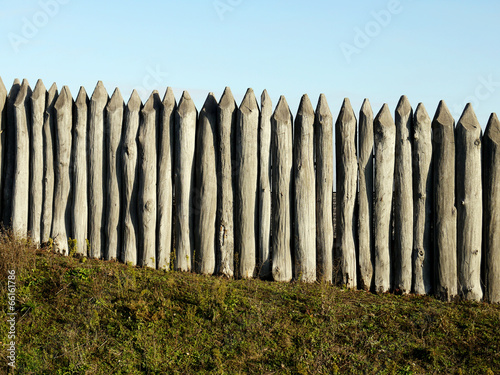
366 107
186 104
63 99
116 101
134 102
322 108
493 129
210 105
404 107
305 106
169 98
227 99
100 93
152 103
282 111
53 89
421 115
39 90
468 119
82 97
249 102
443 116
265 100
384 117
346 112
22 94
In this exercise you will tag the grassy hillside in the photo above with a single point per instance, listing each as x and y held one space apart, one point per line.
79 316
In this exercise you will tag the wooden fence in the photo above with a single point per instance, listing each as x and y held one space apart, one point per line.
242 191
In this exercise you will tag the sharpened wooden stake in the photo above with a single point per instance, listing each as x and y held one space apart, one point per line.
247 132
165 180
491 227
403 197
97 186
20 185
469 205
48 163
445 212
226 125
10 153
80 208
148 168
422 202
61 223
384 140
185 138
305 193
130 180
36 162
206 187
113 166
323 134
365 214
282 194
3 128
347 173
264 220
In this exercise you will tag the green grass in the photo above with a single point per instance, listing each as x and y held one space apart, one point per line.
79 316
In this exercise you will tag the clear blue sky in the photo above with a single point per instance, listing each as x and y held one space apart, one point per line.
427 50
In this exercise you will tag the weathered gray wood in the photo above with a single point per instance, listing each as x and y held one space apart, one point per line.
365 202
96 174
282 195
226 124
148 179
20 185
491 195
10 153
384 141
185 137
63 114
323 133
165 180
422 202
36 162
469 204
445 212
305 193
3 128
113 133
206 187
79 215
247 133
264 220
347 173
403 197
48 163
130 180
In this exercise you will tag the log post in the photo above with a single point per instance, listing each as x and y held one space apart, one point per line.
305 193
422 202
36 162
384 141
148 168
491 227
347 173
206 187
469 204
20 185
79 172
10 153
130 180
264 221
247 133
226 125
282 194
365 202
63 113
113 134
445 212
323 134
185 138
97 179
403 197
3 128
48 163
165 183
